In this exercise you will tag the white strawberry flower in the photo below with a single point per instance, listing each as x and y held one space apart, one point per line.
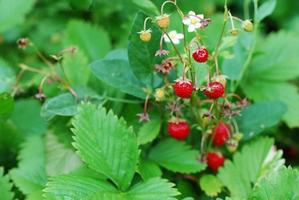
174 36
193 21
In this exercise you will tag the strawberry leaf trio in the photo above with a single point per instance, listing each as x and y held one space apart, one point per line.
211 109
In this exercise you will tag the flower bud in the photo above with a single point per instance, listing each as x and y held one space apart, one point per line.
163 21
145 35
247 25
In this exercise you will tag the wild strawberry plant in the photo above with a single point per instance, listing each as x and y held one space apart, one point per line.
184 112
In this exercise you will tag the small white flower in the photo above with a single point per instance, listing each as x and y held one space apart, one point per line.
174 37
193 21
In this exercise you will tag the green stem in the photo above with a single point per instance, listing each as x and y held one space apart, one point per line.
175 48
251 50
216 51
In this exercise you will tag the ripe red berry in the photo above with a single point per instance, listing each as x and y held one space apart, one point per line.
214 90
178 130
183 88
221 134
215 160
201 55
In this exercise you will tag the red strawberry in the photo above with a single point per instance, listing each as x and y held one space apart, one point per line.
215 160
178 129
214 90
201 55
183 88
221 134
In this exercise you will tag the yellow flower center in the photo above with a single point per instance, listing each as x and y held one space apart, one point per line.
194 21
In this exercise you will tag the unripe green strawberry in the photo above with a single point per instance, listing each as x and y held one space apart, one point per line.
163 21
145 35
247 25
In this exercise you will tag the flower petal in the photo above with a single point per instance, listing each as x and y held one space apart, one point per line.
186 21
191 28
176 41
191 12
201 16
180 36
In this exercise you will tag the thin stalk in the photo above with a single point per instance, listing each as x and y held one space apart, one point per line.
251 50
175 48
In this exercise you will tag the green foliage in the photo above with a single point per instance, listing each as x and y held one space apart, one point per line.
210 184
282 184
265 9
91 39
142 54
80 187
75 66
147 6
107 160
61 105
176 156
152 189
58 158
269 72
117 73
7 77
106 144
12 12
6 104
30 175
266 115
244 170
75 187
5 186
26 117
149 131
148 169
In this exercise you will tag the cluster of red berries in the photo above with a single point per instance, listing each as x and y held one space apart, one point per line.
184 88
220 136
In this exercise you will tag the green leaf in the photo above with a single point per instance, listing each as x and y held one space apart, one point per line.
75 66
142 54
80 4
75 187
12 12
149 131
59 159
210 184
106 144
152 189
117 73
148 169
265 9
233 67
26 117
30 175
245 169
269 71
176 156
7 76
282 184
91 39
5 186
61 105
6 105
37 195
266 115
147 6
